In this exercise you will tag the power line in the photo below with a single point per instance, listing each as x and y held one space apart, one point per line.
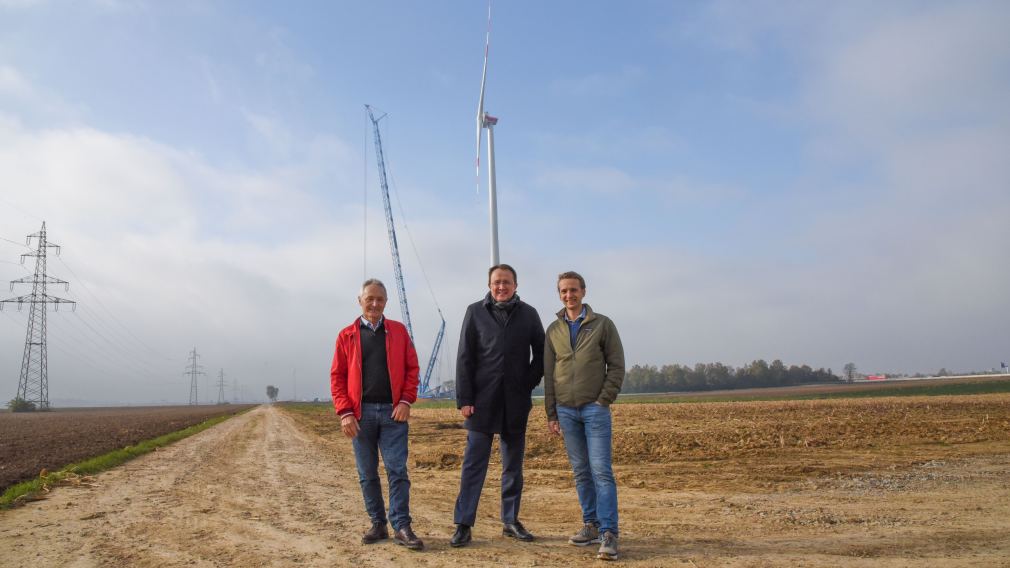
19 243
33 381
129 333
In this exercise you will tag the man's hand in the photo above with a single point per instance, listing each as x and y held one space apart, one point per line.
349 425
554 427
466 411
402 412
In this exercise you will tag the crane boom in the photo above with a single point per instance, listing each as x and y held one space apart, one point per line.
393 248
424 384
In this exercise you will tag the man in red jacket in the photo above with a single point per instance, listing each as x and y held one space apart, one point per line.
374 381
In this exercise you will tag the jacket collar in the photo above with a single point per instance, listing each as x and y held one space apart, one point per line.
589 314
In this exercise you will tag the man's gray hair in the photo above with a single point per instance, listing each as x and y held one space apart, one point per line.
373 282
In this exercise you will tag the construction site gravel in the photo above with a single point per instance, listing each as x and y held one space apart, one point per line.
918 481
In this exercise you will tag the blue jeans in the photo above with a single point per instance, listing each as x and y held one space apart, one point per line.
377 431
587 433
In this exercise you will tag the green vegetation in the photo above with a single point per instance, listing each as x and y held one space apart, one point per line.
435 403
716 376
871 390
21 405
858 391
306 407
311 407
102 463
990 387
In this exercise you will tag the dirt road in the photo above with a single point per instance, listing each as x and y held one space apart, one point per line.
271 489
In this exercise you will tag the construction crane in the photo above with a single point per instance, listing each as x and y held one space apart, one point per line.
424 386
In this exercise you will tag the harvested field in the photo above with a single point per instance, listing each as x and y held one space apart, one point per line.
894 482
32 441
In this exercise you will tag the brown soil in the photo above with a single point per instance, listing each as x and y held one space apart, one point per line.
888 482
33 441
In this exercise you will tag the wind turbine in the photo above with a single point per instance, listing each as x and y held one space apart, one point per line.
485 120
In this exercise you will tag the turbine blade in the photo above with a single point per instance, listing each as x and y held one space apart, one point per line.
483 82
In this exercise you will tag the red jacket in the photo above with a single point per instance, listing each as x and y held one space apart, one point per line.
345 372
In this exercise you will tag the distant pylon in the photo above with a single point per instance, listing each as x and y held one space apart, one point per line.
220 387
33 383
193 370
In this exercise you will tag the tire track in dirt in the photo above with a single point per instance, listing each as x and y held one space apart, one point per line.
272 488
252 491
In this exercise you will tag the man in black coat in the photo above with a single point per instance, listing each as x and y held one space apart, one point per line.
499 363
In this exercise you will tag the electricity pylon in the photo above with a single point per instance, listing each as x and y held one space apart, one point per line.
194 371
220 387
33 383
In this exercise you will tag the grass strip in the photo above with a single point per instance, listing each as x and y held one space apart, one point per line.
28 489
986 387
948 389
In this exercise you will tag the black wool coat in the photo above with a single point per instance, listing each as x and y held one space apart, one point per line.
497 367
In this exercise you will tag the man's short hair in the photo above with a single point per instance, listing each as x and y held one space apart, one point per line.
373 282
571 274
503 266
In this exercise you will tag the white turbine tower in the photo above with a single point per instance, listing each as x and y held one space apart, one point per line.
485 120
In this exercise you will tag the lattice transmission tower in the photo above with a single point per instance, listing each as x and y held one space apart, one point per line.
33 382
194 370
220 387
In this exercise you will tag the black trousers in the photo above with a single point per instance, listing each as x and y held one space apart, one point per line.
475 460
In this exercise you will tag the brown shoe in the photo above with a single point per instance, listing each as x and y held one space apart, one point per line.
375 534
406 537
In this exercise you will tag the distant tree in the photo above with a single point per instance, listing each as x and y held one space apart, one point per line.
21 405
943 372
850 371
272 393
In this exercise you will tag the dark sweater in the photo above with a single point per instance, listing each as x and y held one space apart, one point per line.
374 367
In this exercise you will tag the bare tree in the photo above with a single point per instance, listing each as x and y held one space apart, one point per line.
850 371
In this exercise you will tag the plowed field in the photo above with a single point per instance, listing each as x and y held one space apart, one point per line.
32 441
909 482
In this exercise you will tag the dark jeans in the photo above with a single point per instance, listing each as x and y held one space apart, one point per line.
475 460
587 431
379 432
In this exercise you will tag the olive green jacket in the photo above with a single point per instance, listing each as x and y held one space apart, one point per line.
592 372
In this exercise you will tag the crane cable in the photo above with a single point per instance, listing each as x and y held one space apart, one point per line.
410 237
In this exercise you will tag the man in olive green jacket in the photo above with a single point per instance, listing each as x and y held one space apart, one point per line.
583 372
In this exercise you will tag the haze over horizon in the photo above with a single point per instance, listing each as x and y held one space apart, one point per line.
815 182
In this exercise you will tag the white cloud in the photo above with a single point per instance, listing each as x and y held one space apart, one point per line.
599 179
600 84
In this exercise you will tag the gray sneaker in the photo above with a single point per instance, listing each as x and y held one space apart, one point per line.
589 534
608 547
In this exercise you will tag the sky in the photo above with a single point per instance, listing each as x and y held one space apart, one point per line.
816 182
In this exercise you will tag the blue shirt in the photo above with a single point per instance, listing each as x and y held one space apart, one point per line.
573 326
365 322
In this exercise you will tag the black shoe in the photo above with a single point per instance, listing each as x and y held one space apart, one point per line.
406 537
375 534
517 531
461 537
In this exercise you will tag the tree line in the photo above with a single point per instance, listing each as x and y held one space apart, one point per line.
716 376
